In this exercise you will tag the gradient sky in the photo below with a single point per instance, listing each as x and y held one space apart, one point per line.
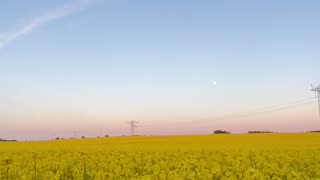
92 65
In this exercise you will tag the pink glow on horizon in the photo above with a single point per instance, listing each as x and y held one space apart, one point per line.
42 126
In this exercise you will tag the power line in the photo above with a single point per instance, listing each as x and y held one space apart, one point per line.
262 110
267 109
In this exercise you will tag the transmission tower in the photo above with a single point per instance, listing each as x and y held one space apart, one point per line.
132 126
317 95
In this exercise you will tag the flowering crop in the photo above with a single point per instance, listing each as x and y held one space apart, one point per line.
254 156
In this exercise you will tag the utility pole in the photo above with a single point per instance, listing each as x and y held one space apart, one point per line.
75 134
317 95
132 126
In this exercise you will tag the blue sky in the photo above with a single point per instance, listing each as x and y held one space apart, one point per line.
92 64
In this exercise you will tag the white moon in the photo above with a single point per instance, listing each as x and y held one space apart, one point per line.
214 83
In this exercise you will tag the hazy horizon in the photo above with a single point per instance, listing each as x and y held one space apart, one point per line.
177 67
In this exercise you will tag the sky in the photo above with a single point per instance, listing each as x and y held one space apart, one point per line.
87 67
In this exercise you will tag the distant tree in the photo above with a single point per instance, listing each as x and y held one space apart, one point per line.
313 132
106 136
5 140
221 132
57 138
83 137
259 132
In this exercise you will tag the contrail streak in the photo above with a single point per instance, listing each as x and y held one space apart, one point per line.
51 15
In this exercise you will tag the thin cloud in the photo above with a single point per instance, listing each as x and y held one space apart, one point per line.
51 15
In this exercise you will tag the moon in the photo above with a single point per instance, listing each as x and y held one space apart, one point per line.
214 83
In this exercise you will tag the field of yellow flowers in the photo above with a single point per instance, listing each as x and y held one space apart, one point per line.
250 156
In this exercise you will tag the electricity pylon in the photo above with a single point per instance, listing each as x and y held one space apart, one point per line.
317 95
132 126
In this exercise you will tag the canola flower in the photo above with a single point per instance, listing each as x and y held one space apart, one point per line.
253 156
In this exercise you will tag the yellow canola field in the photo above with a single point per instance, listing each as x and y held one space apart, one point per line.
250 156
